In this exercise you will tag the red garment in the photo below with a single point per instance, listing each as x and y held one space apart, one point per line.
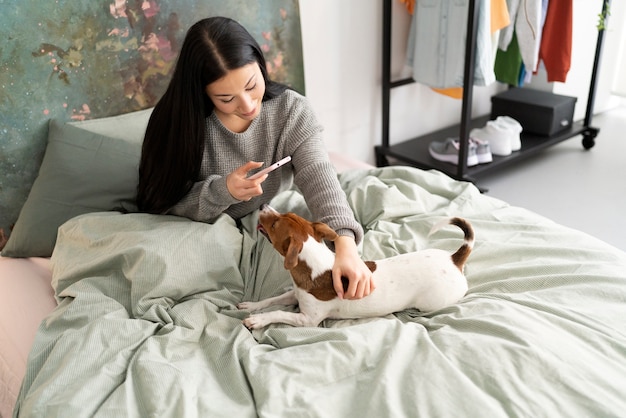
556 41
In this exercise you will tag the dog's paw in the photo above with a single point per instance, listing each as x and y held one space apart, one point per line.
248 306
255 322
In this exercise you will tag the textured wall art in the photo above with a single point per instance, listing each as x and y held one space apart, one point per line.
86 59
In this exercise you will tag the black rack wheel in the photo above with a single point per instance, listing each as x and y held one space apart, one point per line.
588 141
589 137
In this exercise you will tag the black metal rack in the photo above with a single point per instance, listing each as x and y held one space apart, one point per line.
414 151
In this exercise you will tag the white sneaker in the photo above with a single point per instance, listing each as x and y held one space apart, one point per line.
499 137
515 127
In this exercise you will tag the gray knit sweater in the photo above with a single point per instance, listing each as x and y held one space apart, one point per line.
286 126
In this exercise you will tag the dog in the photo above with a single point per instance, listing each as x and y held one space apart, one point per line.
426 280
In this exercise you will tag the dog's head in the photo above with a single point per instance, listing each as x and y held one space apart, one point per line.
287 232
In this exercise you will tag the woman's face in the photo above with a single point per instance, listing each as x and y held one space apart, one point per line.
238 95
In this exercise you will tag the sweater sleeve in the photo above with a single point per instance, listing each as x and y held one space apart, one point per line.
315 175
322 191
206 200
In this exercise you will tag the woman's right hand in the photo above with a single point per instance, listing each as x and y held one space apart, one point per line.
240 186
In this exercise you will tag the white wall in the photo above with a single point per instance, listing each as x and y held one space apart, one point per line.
584 42
342 43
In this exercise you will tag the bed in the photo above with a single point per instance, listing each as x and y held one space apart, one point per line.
135 315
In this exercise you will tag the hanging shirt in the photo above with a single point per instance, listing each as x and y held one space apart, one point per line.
436 43
499 19
556 41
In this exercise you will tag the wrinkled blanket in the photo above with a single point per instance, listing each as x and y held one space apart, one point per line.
147 325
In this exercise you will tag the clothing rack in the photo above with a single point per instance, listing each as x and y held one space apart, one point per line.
414 151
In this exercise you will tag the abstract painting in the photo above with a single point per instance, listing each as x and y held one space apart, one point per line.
86 59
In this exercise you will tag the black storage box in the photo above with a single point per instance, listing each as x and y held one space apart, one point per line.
539 112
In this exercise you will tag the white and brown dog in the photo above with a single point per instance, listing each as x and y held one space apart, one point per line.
426 280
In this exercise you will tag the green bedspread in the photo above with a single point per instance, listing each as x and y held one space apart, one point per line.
147 326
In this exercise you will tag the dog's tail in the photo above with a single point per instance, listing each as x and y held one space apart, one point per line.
460 256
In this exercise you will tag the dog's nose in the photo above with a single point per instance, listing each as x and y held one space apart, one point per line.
267 209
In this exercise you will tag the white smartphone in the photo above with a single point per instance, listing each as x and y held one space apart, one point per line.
270 168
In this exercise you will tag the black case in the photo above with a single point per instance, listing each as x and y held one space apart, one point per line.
539 112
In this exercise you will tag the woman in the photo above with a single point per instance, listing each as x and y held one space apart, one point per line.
222 118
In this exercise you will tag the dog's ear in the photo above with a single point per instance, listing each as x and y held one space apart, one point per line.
323 231
291 249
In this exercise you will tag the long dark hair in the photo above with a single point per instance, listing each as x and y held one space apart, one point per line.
174 142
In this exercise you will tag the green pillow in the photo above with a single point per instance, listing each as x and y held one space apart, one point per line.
82 171
128 126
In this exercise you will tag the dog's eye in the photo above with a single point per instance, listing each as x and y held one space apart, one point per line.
273 224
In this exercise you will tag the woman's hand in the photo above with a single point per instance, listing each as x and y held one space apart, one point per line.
349 264
240 186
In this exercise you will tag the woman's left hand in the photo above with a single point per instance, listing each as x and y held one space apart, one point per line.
349 264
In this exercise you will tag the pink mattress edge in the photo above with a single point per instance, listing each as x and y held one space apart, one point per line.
26 298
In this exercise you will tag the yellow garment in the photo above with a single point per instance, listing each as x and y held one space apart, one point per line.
499 15
454 92
499 19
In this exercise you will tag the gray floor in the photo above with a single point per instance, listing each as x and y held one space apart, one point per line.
582 189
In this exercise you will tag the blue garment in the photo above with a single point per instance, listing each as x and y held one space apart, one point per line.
436 43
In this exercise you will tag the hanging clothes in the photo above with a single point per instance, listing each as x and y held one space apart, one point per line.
556 42
508 66
499 19
527 16
517 58
436 44
528 75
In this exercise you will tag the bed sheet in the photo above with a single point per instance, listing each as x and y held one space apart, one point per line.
26 296
147 325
